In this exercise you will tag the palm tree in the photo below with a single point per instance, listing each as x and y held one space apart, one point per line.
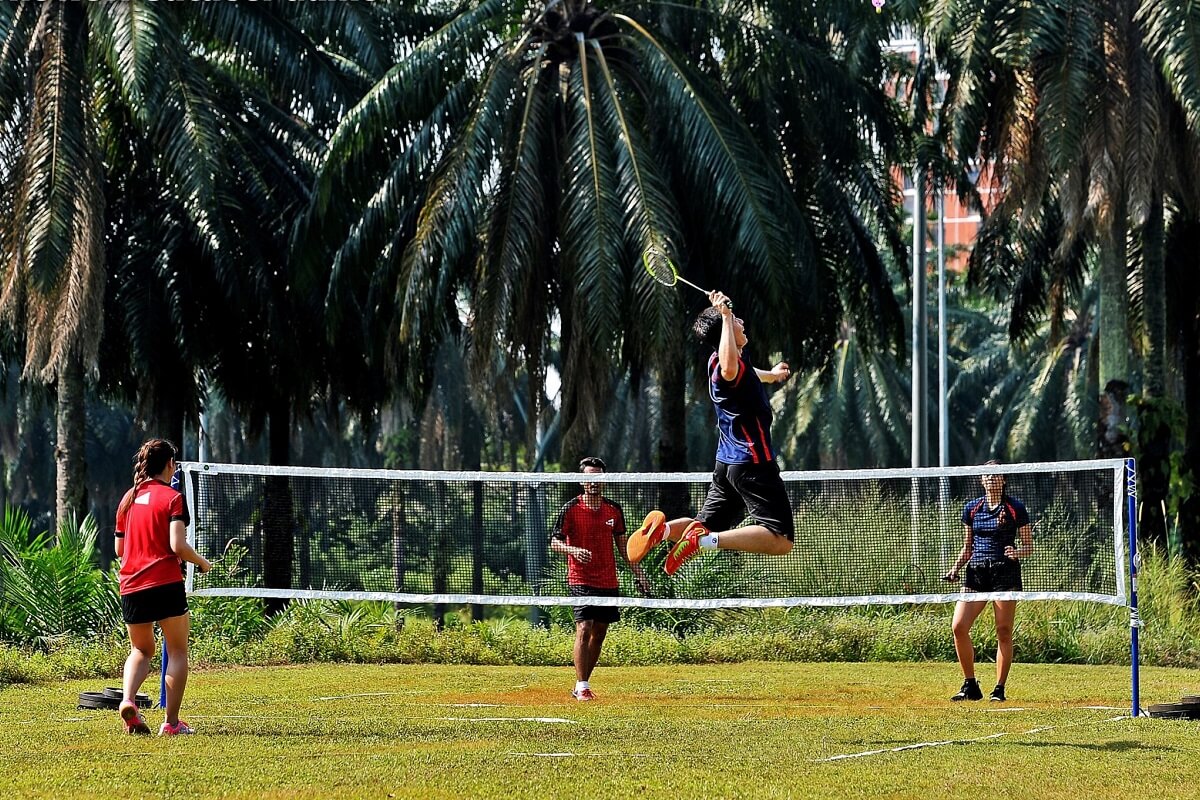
511 167
152 102
1049 100
1089 113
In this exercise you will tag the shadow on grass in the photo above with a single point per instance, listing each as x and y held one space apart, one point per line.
1122 746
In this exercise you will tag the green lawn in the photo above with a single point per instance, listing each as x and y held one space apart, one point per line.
749 730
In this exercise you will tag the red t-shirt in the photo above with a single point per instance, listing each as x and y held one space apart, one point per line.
592 529
146 527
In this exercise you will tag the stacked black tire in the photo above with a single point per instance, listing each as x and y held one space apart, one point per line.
1188 707
109 700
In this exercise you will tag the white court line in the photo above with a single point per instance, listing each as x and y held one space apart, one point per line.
1002 710
578 755
924 745
552 720
365 694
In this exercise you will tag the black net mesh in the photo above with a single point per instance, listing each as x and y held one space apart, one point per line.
879 539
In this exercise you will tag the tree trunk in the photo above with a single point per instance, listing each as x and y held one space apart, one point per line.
71 465
278 514
1154 430
1185 288
167 422
1114 343
472 449
673 498
1154 299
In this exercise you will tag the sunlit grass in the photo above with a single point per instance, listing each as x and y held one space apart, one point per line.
746 730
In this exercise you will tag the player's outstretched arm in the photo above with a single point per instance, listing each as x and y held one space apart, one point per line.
727 351
776 374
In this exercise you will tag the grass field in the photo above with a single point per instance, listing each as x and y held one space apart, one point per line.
747 730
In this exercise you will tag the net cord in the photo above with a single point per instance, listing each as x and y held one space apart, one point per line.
536 478
656 602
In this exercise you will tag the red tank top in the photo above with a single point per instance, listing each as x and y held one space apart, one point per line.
148 560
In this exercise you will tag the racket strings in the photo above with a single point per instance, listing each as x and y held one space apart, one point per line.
659 267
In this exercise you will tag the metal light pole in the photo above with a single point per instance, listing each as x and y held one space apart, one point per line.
920 455
943 378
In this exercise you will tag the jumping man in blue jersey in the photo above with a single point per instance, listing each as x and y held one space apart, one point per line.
746 476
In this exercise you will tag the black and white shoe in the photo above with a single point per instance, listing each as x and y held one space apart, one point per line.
998 694
970 691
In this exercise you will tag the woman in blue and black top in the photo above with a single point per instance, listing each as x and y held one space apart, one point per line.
997 534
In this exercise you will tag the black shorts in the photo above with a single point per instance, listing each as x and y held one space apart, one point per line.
155 603
595 613
1000 575
757 488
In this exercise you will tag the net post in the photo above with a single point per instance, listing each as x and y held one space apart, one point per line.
1135 621
162 679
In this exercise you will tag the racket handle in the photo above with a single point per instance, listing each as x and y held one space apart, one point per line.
728 303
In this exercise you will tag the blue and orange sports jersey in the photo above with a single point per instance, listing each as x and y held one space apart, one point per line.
146 527
743 415
592 529
993 529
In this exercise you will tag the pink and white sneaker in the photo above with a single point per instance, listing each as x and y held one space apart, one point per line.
583 694
180 728
134 724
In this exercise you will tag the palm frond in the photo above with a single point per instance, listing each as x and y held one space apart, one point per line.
126 35
724 163
1172 36
510 310
445 239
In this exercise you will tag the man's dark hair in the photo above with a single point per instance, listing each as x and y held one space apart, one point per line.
707 327
592 461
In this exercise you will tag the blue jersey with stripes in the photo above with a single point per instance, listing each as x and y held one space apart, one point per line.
993 529
743 415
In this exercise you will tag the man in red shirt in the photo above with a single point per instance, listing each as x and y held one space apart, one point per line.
587 530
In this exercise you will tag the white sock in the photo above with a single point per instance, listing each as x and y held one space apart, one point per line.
709 541
581 685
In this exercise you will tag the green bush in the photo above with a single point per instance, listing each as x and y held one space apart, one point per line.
86 638
53 589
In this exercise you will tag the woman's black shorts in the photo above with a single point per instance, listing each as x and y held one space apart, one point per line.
1000 575
595 613
756 488
155 603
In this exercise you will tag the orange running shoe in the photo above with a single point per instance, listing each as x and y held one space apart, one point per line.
686 548
645 538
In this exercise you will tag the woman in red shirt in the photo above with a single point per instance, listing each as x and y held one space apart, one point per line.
151 542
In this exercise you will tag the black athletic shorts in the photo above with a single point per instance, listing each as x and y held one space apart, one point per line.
757 488
155 603
999 575
594 613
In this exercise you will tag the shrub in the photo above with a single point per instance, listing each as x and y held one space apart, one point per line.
53 589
